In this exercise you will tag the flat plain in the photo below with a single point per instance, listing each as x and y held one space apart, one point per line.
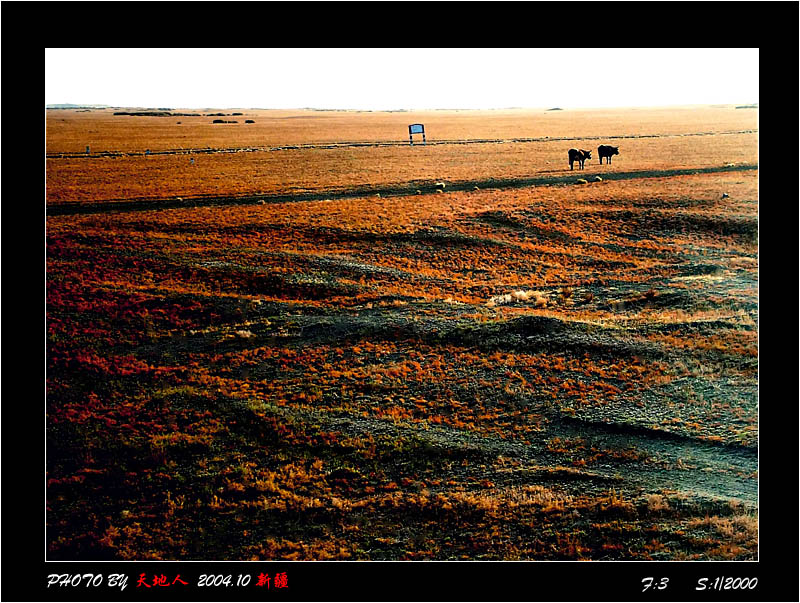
306 338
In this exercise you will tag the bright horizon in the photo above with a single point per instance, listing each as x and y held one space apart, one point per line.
380 79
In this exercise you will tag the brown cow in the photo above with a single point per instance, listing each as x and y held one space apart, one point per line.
606 151
578 155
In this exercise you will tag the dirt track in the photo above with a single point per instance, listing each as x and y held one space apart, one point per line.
409 188
385 143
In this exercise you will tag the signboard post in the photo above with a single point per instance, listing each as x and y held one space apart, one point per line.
415 129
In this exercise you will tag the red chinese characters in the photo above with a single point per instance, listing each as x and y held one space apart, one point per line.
161 580
280 580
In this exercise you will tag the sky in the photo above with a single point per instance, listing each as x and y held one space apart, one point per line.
400 78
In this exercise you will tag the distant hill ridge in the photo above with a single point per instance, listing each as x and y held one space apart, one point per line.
71 106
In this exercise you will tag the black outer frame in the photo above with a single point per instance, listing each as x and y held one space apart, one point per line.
25 569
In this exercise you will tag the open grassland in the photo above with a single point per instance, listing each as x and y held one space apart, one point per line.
268 158
69 131
373 170
521 369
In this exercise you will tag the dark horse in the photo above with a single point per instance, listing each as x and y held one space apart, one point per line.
578 155
606 151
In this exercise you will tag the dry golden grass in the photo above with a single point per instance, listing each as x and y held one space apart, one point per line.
321 169
330 380
71 131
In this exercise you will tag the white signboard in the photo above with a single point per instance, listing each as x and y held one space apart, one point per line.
416 129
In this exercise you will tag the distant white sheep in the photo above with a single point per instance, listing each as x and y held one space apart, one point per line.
536 297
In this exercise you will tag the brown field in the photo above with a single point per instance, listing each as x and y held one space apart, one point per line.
315 354
69 131
649 143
